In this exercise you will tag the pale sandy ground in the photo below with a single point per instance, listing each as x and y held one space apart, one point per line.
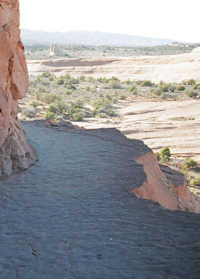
175 124
169 123
173 68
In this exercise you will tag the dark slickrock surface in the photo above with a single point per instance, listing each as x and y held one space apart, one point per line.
72 215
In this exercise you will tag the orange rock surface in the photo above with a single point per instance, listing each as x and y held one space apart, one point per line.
165 186
15 153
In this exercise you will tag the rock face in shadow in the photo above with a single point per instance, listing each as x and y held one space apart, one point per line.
73 215
15 153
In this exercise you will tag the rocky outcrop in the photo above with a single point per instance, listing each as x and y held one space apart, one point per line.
15 153
165 186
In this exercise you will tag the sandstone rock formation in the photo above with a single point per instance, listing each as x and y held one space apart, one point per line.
15 153
169 68
165 186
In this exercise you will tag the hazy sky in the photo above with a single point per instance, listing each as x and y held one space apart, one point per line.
170 19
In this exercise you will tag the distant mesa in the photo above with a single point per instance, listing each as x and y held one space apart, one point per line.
89 38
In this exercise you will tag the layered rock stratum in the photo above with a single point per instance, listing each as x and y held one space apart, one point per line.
15 153
168 68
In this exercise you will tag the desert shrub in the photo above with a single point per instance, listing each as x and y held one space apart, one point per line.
88 88
181 87
77 103
147 83
191 82
70 86
166 87
41 89
49 115
73 81
190 163
51 78
195 181
108 97
114 84
172 88
195 87
102 106
157 91
38 79
82 78
103 80
49 98
102 115
58 107
77 115
60 81
29 112
68 92
35 104
123 97
135 92
45 83
132 88
115 79
67 77
111 113
46 75
91 79
192 94
128 82
164 155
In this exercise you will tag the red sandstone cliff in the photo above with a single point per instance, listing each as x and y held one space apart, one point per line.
15 153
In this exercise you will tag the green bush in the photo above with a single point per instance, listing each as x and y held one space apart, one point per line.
46 75
49 115
191 82
103 80
147 83
123 97
114 84
190 163
192 94
82 78
77 116
195 182
102 106
108 97
157 91
35 104
78 104
60 81
181 88
164 155
195 87
166 87
88 88
132 88
128 82
75 113
49 98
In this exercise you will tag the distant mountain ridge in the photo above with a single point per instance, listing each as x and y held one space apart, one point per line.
89 38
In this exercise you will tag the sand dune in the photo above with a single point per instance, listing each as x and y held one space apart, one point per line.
173 68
